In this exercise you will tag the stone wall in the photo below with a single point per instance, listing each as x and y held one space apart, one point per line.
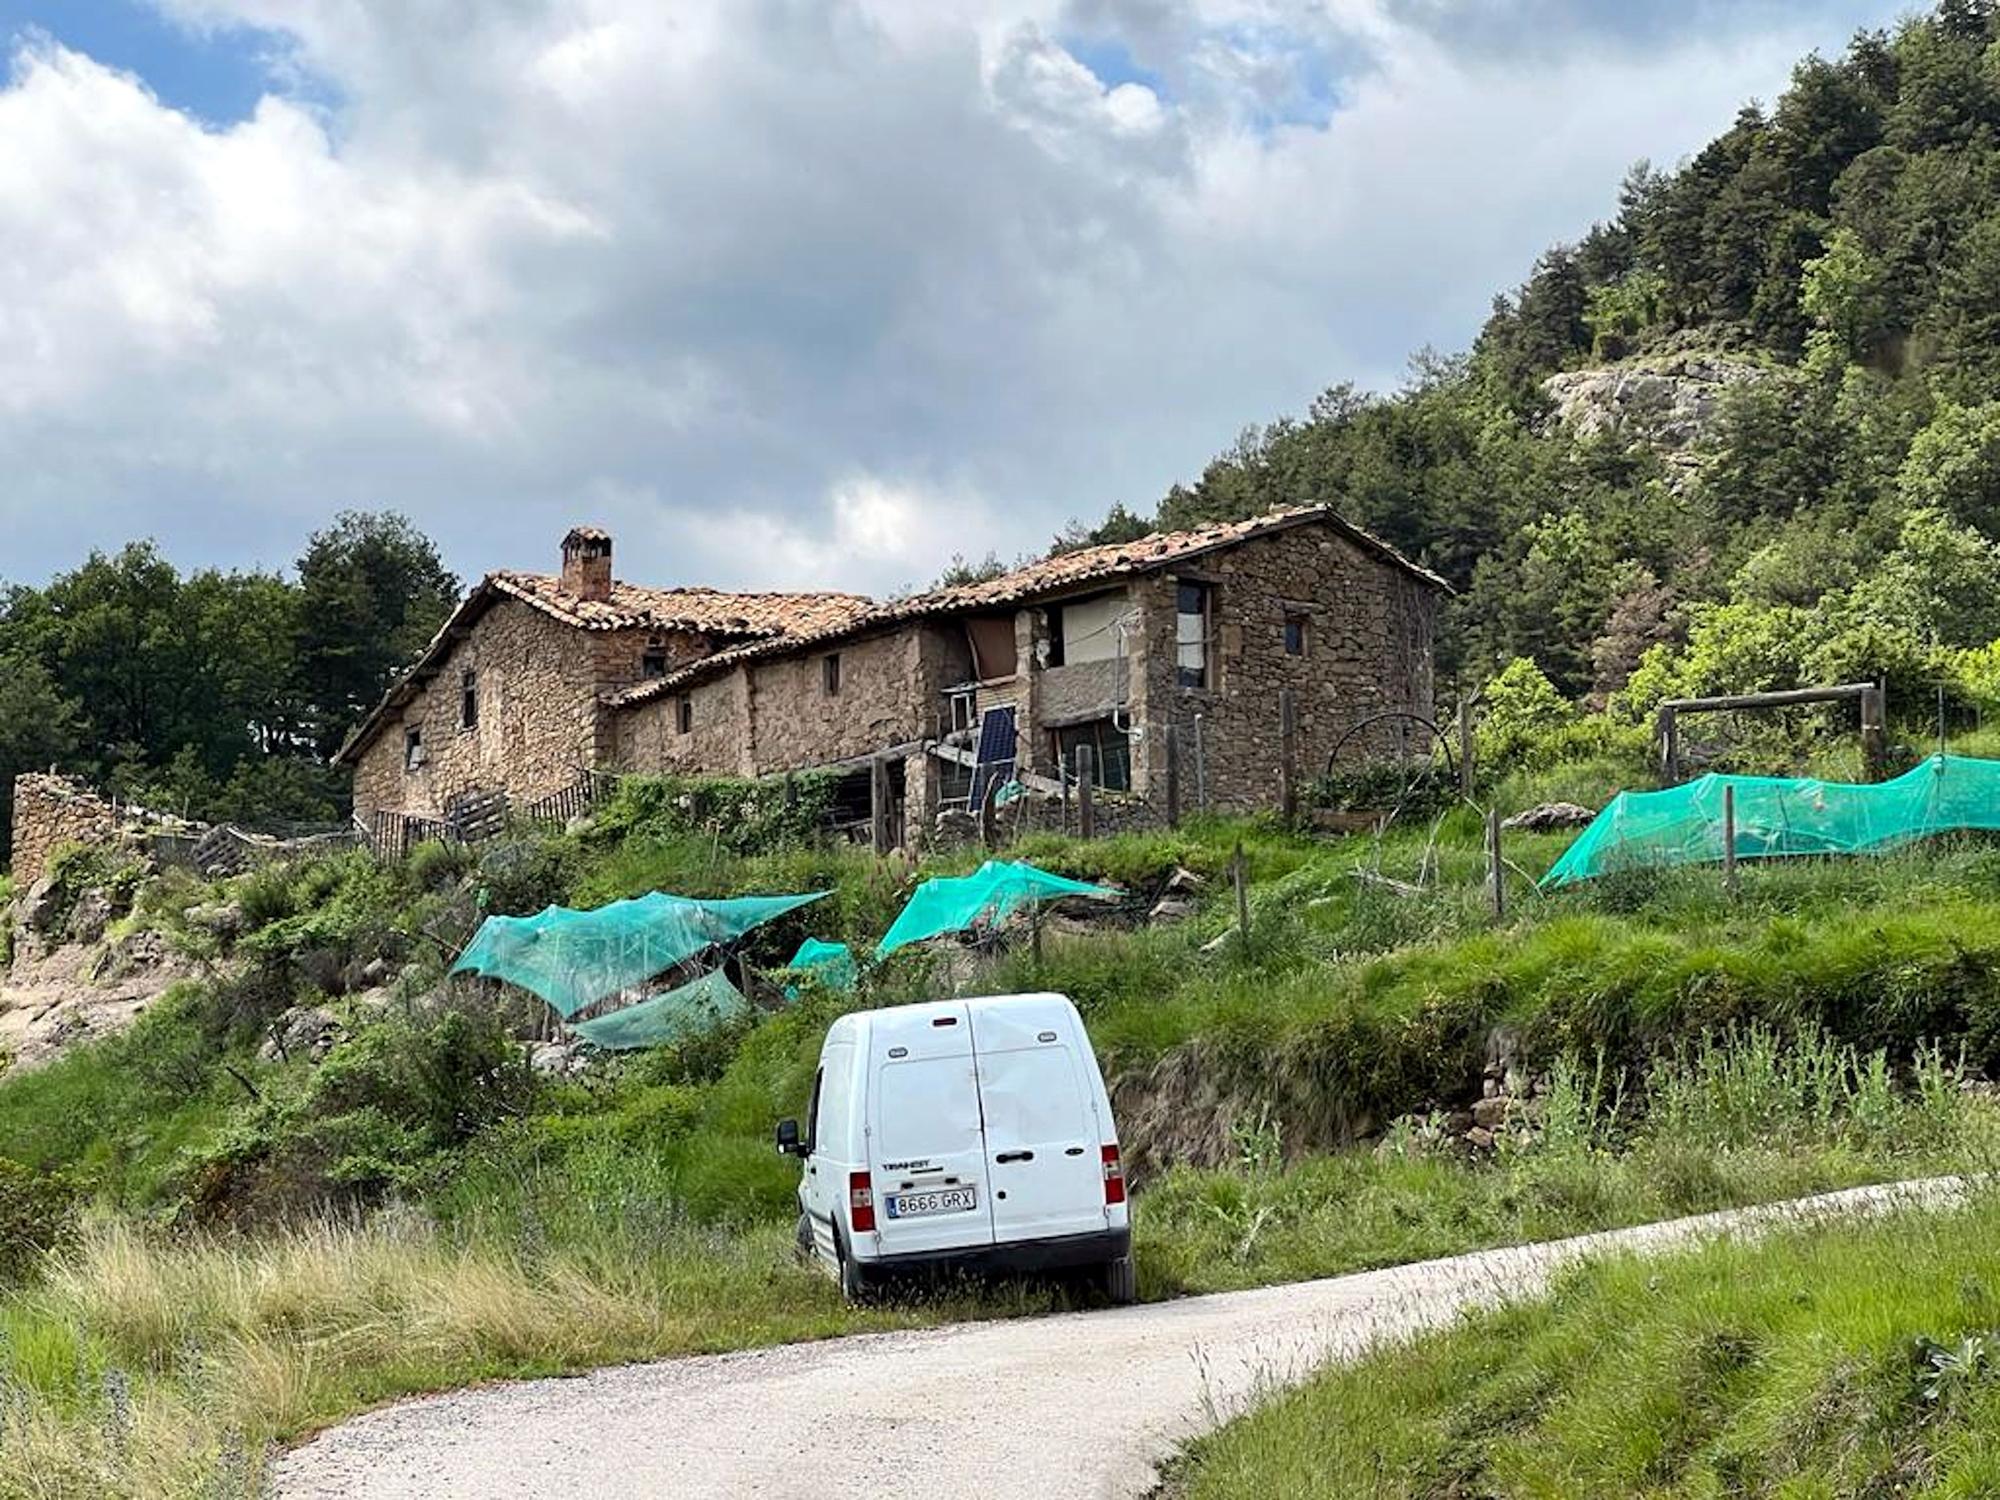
50 811
539 725
716 741
776 715
1368 649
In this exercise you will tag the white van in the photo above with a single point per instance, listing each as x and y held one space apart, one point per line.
963 1133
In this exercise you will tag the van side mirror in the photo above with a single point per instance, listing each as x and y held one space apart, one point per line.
788 1139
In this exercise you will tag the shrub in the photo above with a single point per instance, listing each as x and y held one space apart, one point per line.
1519 708
37 1213
742 816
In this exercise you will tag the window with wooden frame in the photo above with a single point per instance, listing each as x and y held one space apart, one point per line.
1110 752
1194 616
413 749
653 663
468 699
684 714
829 668
1298 633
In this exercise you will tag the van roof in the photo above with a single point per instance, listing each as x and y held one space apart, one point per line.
859 1020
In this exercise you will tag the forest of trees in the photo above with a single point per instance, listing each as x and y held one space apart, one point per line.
1848 238
216 695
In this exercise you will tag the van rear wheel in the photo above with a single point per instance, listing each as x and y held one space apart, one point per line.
1121 1281
855 1284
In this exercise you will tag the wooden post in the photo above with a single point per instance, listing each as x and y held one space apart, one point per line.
1496 872
1670 747
1729 840
1173 776
989 814
1288 778
878 804
1062 788
1874 734
1086 814
1465 745
1035 933
1239 875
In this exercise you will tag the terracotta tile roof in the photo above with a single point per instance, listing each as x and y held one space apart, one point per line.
709 611
743 618
1049 577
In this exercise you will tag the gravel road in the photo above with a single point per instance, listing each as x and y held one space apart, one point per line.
1083 1404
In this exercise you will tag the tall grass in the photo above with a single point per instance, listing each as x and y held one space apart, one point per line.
1728 1122
1832 1360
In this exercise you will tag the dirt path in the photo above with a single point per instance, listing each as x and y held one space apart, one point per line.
1085 1404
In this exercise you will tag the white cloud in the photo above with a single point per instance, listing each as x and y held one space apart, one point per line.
784 293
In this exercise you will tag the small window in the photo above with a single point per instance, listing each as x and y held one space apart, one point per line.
413 749
468 700
962 705
1193 610
1297 635
1110 753
830 672
1054 627
684 714
653 663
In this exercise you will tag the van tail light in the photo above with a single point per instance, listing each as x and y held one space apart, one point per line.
1114 1177
861 1201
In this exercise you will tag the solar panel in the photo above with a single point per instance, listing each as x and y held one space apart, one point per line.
995 760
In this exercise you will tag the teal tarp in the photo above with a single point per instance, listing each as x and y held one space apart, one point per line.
692 1008
1780 816
574 958
832 964
994 893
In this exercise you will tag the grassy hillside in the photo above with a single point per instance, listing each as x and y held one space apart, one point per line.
212 1248
1837 1360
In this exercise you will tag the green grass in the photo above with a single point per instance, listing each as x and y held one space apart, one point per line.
1837 1360
150 1363
510 1227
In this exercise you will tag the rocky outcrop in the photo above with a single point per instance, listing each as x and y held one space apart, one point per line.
1669 403
59 995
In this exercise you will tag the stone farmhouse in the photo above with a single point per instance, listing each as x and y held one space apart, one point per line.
538 681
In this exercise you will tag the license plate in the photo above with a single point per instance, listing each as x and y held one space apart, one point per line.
954 1200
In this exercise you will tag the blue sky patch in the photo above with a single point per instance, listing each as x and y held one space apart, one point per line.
1112 61
216 76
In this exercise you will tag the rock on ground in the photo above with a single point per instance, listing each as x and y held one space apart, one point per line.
54 998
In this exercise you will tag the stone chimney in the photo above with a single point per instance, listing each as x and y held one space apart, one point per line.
586 568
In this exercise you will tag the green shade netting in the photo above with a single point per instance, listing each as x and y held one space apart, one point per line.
1781 816
832 964
998 889
692 1008
574 958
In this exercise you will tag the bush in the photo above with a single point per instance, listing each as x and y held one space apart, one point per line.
741 816
37 1213
1518 710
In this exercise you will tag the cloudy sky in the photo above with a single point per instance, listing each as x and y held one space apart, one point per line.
781 291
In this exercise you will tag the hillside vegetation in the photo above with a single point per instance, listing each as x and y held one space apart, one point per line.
1841 247
214 1245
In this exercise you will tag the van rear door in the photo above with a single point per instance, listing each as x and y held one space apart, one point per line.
924 1145
1043 1137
